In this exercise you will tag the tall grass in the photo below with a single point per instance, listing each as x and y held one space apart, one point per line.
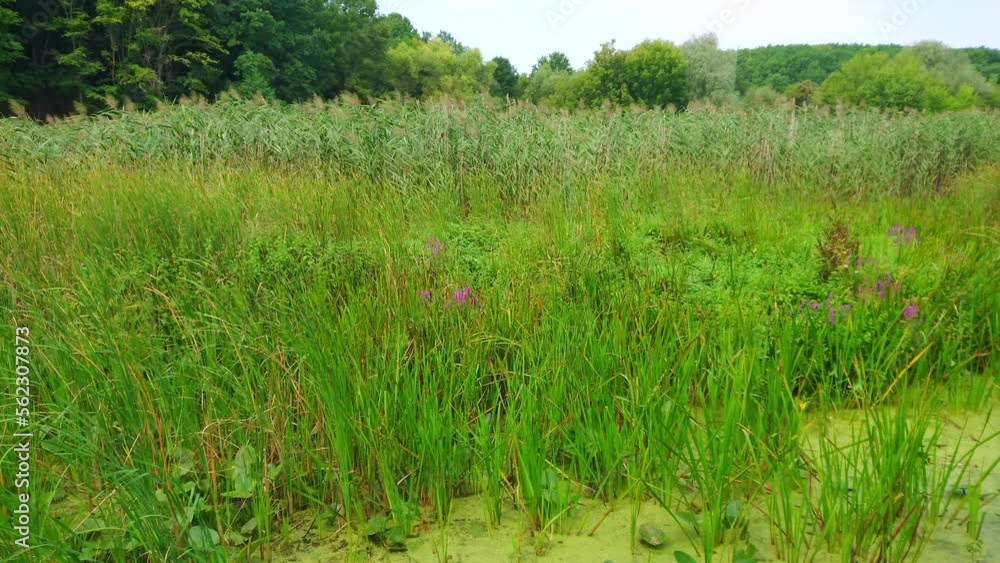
514 152
242 314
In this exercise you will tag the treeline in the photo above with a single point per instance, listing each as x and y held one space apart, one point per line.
63 56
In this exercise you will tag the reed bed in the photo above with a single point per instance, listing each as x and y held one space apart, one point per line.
519 150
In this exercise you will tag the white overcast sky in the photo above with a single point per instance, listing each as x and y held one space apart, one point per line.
524 30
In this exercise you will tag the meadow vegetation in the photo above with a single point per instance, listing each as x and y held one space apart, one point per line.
245 312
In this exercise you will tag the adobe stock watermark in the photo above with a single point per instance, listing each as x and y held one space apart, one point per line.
21 518
900 16
727 16
561 13
47 11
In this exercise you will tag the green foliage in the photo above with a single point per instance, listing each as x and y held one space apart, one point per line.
556 61
558 88
654 74
149 46
761 97
898 82
506 81
951 66
320 48
986 61
421 69
448 39
255 73
780 66
10 48
711 72
802 93
397 29
80 55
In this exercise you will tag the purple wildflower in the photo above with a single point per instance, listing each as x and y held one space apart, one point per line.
462 295
425 295
911 312
902 235
814 306
832 316
434 246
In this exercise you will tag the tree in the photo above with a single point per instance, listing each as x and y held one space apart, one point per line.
255 73
156 49
420 69
555 61
887 82
846 84
711 72
321 48
902 83
656 74
986 61
556 88
761 97
10 48
951 66
606 78
449 39
780 66
505 79
566 89
397 29
803 92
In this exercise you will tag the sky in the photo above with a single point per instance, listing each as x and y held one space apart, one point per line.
524 30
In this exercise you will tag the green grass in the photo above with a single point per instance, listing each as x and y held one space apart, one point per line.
228 327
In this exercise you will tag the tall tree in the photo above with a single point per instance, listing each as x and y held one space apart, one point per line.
952 66
10 47
711 72
802 93
450 40
397 29
157 48
321 48
986 61
779 66
505 79
656 74
556 61
879 80
420 69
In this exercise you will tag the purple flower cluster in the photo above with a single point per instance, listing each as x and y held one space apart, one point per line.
911 311
829 307
434 246
464 296
903 236
882 288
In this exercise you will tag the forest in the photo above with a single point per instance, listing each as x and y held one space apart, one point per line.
62 57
